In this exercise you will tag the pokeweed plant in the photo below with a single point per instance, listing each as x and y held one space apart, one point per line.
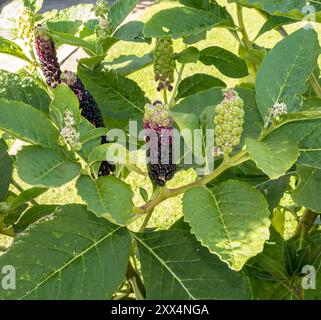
249 145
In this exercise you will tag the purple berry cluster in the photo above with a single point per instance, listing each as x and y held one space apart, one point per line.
47 56
159 136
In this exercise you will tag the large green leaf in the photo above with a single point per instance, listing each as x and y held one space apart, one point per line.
70 20
119 98
26 123
5 170
197 82
127 64
198 102
225 61
107 197
307 135
274 22
120 10
26 196
284 71
181 21
307 192
66 38
273 156
23 89
132 31
234 223
253 123
64 100
9 47
291 9
45 167
176 266
71 255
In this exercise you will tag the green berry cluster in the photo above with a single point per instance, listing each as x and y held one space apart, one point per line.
4 208
164 63
228 121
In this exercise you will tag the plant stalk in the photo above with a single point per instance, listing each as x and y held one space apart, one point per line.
306 223
179 78
169 193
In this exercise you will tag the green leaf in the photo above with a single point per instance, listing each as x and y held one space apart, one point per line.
274 22
64 100
32 215
194 38
26 123
74 255
253 123
45 167
119 98
175 257
26 196
284 71
143 193
120 10
273 190
9 47
188 55
307 192
234 224
70 20
66 38
109 152
132 31
128 64
303 132
88 131
199 101
273 156
6 166
93 134
291 9
107 197
187 124
180 21
23 89
225 61
278 221
197 82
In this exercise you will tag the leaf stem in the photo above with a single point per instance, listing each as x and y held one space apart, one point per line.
178 80
245 38
242 29
169 193
165 96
